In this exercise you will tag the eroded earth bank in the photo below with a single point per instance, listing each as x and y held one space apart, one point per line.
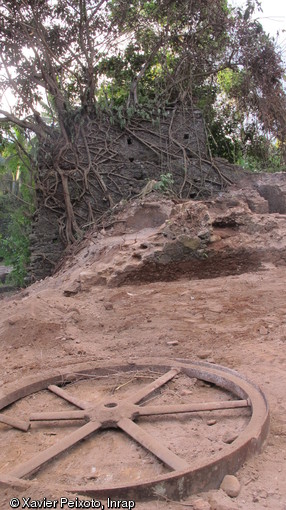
201 281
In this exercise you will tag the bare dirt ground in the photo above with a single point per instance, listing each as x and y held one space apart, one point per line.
237 320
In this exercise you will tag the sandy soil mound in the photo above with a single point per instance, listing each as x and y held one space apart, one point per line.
192 280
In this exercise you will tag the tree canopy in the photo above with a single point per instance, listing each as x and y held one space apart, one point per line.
71 53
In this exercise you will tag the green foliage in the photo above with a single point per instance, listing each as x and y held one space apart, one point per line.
224 128
229 80
165 184
261 155
241 142
14 247
17 197
235 133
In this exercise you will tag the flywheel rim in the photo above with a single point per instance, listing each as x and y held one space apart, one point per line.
182 481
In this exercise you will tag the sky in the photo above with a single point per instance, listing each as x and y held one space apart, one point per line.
273 19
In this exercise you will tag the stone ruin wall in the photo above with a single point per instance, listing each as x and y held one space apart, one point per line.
135 160
135 163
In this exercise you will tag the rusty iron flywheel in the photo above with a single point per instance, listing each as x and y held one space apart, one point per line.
182 475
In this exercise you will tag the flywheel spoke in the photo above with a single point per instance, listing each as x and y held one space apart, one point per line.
149 388
69 398
45 456
191 408
151 444
15 422
58 415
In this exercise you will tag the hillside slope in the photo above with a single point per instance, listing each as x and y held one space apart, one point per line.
192 280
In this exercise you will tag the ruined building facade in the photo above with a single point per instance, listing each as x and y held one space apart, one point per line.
106 163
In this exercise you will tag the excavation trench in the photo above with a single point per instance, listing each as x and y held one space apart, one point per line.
213 267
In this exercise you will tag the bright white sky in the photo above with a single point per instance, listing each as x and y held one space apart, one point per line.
273 19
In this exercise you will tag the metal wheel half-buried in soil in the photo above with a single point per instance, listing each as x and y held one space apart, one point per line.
154 428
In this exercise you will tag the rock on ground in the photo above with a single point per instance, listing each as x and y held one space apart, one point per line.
231 486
